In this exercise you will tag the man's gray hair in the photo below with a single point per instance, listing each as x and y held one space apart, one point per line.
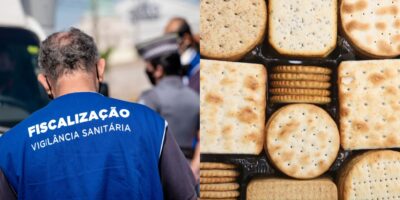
64 52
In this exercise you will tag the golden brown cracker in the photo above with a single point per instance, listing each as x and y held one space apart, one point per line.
302 140
219 194
300 99
301 84
301 69
219 187
216 165
217 179
300 91
299 77
219 173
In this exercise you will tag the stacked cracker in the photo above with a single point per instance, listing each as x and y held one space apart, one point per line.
288 189
218 181
372 26
303 28
302 140
369 102
232 107
300 84
372 175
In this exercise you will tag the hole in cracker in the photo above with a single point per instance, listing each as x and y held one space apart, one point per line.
365 104
226 26
241 42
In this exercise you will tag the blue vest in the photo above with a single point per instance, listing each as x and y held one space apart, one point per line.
85 146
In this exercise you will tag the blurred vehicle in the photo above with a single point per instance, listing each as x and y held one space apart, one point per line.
20 92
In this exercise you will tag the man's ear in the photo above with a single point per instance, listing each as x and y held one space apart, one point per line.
159 72
42 80
101 65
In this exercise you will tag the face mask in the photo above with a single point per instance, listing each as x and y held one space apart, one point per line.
187 56
98 78
151 77
49 94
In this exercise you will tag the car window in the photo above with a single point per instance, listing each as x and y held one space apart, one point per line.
19 88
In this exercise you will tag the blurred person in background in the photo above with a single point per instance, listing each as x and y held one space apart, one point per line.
188 49
170 97
83 145
190 60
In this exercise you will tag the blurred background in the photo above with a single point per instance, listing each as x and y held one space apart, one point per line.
116 25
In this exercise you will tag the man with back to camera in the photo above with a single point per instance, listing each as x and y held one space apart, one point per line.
173 100
190 59
83 145
188 49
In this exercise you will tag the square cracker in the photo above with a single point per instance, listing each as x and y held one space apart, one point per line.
302 28
232 107
369 101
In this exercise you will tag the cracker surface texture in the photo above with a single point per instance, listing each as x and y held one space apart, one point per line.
369 104
232 107
372 26
289 189
372 175
302 140
303 28
231 29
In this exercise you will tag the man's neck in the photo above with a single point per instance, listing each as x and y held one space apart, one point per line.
77 82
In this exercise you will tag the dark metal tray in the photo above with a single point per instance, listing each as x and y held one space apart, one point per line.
251 166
